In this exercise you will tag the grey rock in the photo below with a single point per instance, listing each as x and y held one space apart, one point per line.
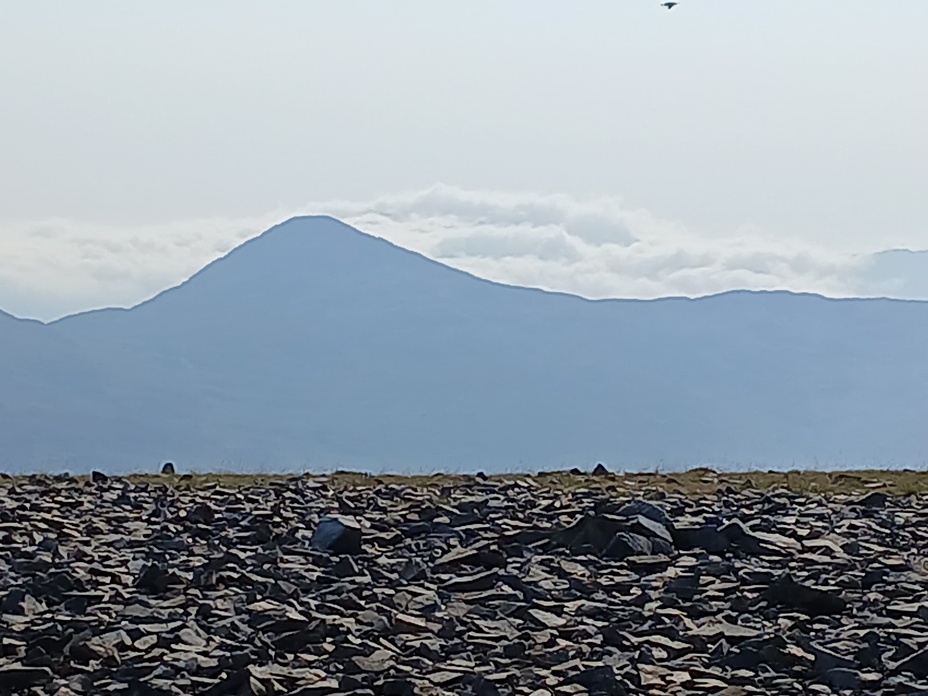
648 510
626 544
337 534
480 585
843 679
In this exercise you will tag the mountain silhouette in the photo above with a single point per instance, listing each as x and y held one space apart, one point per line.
317 346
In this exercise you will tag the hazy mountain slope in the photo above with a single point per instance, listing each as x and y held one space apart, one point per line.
67 404
317 344
42 377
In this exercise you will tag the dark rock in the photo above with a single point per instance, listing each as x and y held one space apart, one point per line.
873 576
705 537
337 534
153 579
915 664
414 570
479 582
591 534
345 568
809 600
14 601
870 655
202 513
397 687
626 544
824 659
773 651
660 547
262 533
235 683
647 510
843 679
645 526
599 681
873 500
484 687
684 587
167 469
16 677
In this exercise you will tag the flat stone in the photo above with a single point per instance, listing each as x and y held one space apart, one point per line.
18 676
478 582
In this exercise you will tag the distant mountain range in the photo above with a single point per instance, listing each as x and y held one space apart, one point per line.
315 346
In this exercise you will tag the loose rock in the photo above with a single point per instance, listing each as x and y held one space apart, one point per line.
488 586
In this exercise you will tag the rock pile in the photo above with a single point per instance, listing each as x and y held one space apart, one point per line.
493 587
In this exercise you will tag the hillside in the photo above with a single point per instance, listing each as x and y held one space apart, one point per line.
316 345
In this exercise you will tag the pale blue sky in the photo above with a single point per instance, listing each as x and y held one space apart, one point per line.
801 120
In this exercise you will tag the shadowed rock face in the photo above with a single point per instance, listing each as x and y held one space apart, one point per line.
489 587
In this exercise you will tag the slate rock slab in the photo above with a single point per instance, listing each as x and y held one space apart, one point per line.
488 586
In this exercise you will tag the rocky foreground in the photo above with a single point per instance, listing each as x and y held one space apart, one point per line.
486 587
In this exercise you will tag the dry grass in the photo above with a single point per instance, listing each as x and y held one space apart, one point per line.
693 482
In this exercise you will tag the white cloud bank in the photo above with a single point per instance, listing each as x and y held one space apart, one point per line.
595 248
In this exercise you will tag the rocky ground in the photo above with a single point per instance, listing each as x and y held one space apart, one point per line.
485 586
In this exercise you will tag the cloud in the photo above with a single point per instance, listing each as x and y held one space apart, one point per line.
56 267
595 247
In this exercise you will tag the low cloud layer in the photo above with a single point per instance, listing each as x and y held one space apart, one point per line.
595 248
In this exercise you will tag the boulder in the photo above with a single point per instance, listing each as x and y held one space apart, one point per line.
337 534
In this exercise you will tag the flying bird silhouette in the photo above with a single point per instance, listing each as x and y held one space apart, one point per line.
669 5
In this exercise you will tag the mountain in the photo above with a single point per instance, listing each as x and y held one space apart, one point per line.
317 346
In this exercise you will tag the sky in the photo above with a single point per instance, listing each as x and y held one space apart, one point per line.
607 148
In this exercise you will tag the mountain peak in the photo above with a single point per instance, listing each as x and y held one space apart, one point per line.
317 345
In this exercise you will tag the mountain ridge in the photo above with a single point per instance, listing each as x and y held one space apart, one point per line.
244 246
328 346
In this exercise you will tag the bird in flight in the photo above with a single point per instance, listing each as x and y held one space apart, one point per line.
669 5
